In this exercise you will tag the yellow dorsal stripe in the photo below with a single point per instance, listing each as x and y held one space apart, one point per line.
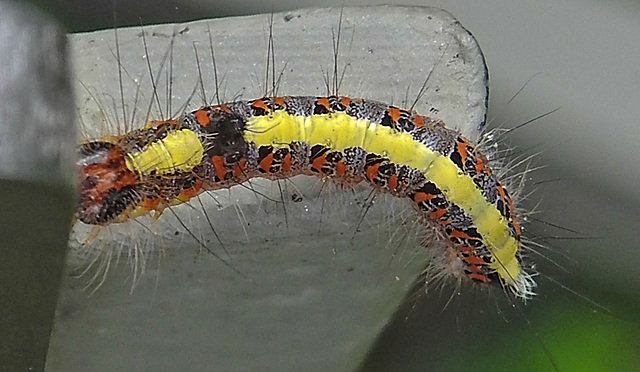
492 226
339 131
180 150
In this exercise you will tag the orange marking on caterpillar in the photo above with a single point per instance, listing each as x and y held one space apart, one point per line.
461 148
516 226
474 268
460 234
319 162
202 117
479 164
372 171
324 102
394 115
474 260
438 213
393 182
341 168
238 171
218 166
265 164
419 197
286 163
259 104
479 277
417 121
191 192
223 108
465 248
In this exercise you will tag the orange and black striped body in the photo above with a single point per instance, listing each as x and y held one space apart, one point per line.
447 179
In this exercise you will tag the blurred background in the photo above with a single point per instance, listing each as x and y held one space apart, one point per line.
582 56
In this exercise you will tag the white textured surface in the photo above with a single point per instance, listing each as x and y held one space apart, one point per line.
399 49
36 125
316 299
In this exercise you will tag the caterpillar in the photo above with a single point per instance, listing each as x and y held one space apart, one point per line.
339 139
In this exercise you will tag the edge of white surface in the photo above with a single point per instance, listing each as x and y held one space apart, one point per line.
37 179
